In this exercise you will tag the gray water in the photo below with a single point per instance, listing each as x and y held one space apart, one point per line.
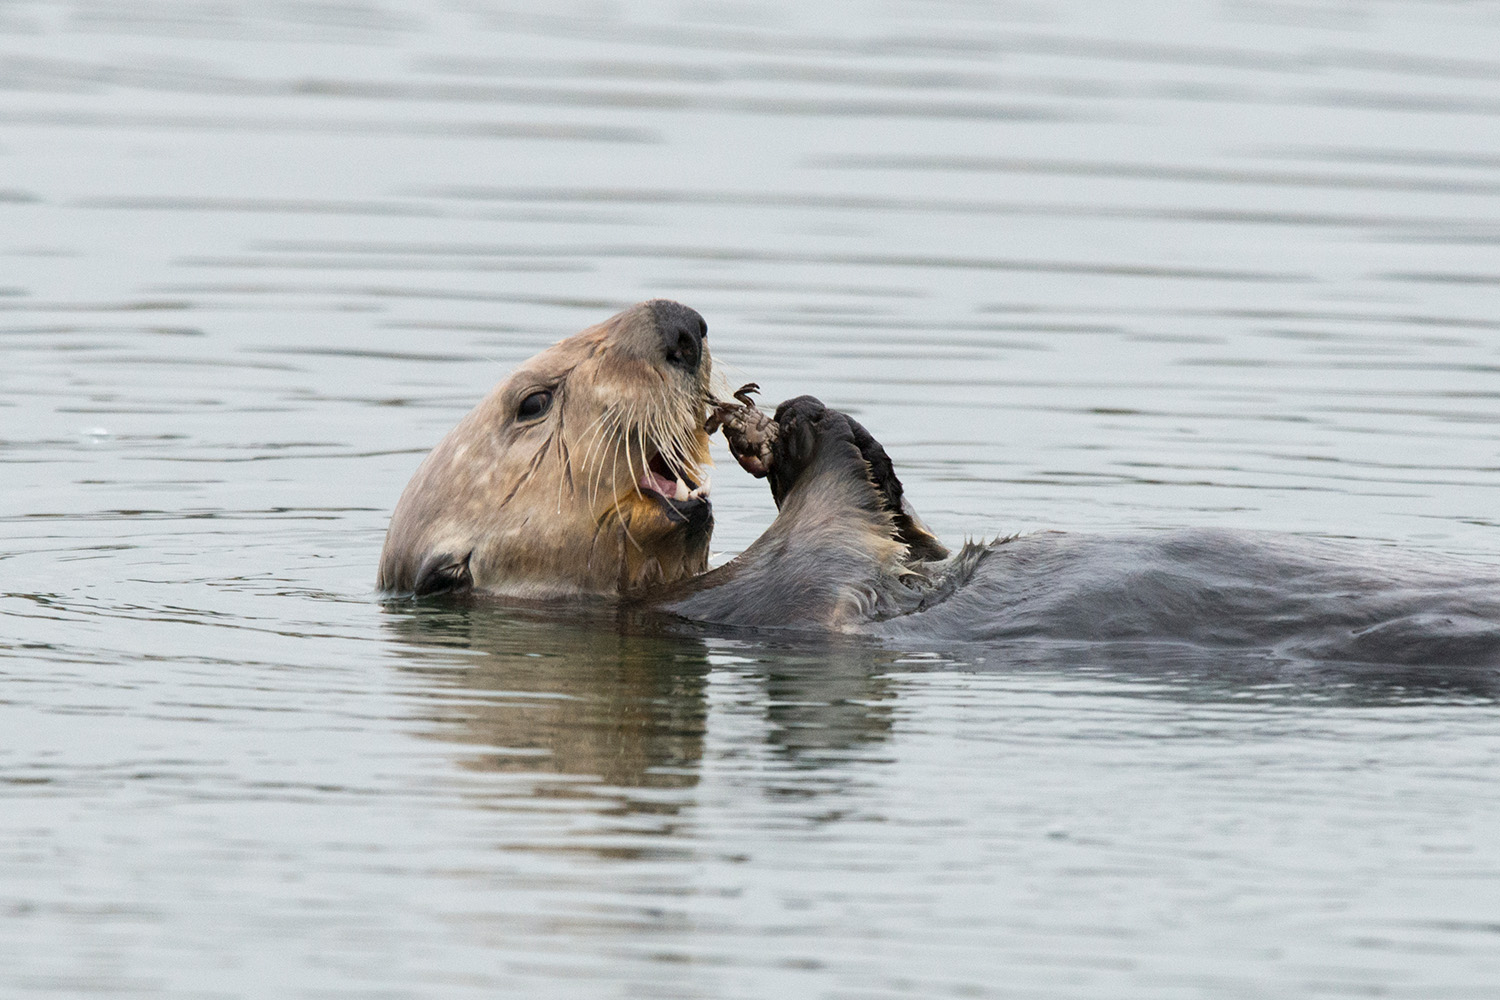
1094 267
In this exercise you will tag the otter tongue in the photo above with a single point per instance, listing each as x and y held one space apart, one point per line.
651 480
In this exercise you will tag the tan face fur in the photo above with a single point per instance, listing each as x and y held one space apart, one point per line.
557 503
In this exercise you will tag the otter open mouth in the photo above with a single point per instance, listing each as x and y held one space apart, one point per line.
671 484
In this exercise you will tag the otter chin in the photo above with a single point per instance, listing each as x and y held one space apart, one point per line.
582 473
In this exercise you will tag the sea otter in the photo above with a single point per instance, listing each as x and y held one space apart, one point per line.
582 475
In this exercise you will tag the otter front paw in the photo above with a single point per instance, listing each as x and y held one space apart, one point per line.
783 448
780 448
803 424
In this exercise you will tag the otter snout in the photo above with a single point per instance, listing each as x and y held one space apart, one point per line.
682 333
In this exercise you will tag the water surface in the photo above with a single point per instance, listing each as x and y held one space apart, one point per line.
1093 267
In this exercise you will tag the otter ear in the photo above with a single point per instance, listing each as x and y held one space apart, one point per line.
442 573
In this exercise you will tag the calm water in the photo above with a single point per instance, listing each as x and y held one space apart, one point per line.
1097 267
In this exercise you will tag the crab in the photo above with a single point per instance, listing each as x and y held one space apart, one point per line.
750 432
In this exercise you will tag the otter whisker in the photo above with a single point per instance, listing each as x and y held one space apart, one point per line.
684 445
672 432
719 383
586 463
600 431
614 459
627 427
595 429
611 441
565 467
684 435
587 439
652 423
667 432
639 429
606 419
645 462
622 441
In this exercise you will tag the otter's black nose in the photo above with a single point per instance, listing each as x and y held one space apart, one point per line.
682 333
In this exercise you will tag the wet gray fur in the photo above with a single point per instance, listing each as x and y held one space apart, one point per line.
827 562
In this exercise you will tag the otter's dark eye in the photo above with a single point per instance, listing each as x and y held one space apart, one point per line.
534 405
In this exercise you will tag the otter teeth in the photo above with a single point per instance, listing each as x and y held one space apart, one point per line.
672 485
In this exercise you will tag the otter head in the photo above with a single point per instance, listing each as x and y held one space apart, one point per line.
581 473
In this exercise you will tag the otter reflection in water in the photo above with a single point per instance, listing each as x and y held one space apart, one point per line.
624 702
581 475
